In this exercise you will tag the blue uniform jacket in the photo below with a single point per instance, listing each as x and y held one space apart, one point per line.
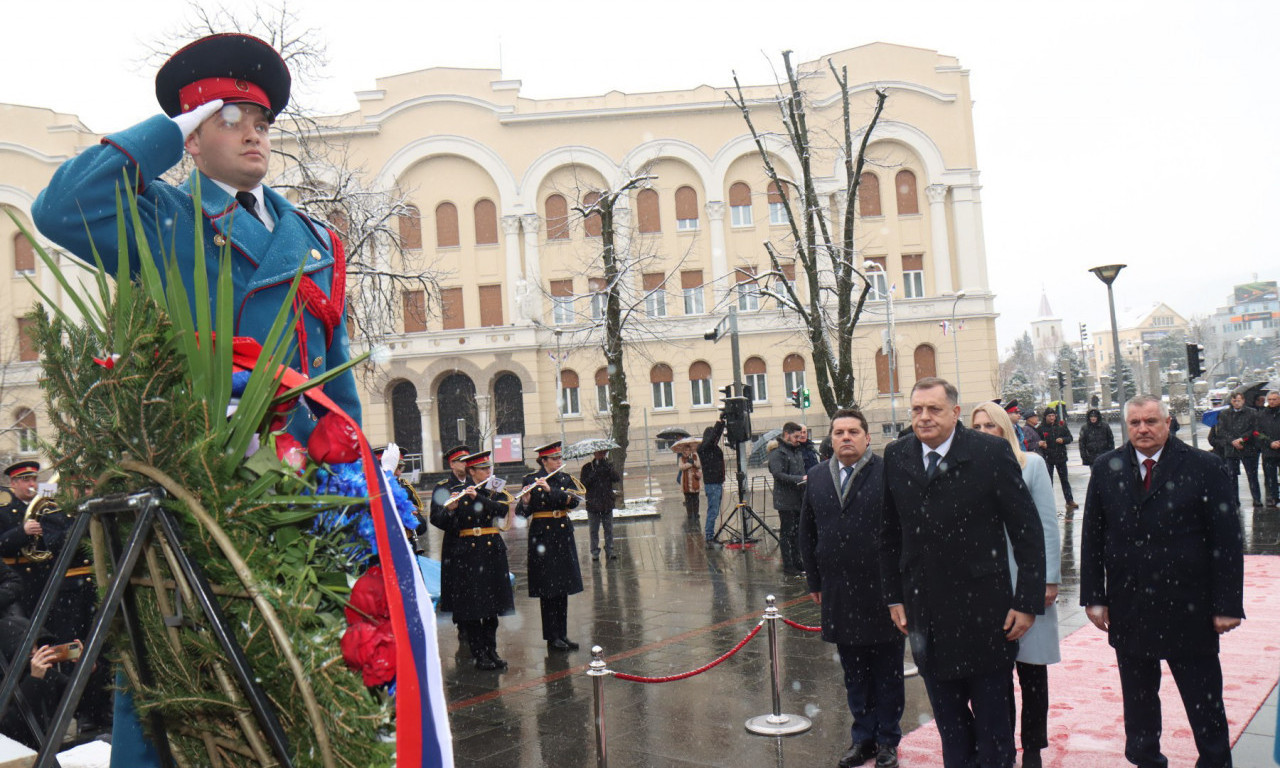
263 262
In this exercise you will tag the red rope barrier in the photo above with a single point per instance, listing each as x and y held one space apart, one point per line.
802 627
699 670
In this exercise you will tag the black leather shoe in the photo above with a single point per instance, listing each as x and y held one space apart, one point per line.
558 645
569 643
496 659
887 757
857 754
486 663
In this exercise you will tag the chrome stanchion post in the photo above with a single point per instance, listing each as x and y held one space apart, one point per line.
599 670
776 724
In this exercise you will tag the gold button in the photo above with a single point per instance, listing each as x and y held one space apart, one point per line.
219 240
315 254
317 362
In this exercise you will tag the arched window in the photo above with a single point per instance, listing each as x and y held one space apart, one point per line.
24 421
411 228
446 225
908 201
883 385
793 372
24 256
754 369
602 390
661 378
591 225
686 208
740 205
486 214
569 404
869 195
777 210
926 361
700 384
557 215
647 219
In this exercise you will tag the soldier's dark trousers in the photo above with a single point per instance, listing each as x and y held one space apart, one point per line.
482 635
555 617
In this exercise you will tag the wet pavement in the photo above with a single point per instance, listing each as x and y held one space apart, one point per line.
668 605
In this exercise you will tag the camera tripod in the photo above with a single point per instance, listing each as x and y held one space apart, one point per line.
749 523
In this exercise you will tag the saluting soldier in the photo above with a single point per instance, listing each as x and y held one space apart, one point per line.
474 576
553 554
440 496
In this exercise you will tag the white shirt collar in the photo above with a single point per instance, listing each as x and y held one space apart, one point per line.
941 449
1154 457
258 195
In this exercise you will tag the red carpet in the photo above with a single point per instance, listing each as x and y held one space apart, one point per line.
1086 724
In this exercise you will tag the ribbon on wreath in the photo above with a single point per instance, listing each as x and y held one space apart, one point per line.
423 738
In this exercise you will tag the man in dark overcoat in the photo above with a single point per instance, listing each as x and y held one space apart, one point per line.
952 495
598 477
1055 436
554 573
839 546
1162 573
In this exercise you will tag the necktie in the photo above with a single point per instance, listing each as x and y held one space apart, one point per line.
249 202
845 474
934 457
1150 464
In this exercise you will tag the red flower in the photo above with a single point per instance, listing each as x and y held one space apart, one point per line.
369 599
290 451
334 441
371 650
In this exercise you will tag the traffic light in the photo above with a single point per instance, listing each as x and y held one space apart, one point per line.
1062 381
1195 360
795 398
804 398
1084 334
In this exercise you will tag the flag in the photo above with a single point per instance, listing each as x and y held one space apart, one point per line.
945 325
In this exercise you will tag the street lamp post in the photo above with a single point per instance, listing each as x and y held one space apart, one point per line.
892 345
1107 274
955 339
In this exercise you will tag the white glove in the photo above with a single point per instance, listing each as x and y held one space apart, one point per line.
187 122
390 458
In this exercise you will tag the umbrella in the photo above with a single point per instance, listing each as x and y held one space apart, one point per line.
587 447
687 442
1210 417
675 433
1251 391
760 447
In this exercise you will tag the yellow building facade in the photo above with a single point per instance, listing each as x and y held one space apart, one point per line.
510 347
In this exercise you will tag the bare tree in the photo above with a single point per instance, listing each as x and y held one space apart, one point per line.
319 175
825 257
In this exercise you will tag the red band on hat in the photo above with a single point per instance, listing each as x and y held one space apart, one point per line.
229 89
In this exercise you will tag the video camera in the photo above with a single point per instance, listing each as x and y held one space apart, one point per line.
736 413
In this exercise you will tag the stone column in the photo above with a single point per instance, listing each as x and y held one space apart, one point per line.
532 300
719 260
430 451
971 255
939 247
485 415
511 248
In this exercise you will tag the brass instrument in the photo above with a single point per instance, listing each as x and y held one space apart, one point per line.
36 510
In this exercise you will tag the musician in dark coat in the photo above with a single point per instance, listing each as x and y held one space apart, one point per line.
475 585
839 546
554 573
1162 573
440 495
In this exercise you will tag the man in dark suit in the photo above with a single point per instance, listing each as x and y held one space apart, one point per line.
951 496
839 546
1162 573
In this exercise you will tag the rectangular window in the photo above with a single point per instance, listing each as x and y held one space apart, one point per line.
686 225
490 305
415 311
700 390
655 298
777 214
694 301
913 284
793 380
599 299
748 297
759 387
663 395
740 216
451 309
602 398
27 442
569 402
562 310
27 351
24 256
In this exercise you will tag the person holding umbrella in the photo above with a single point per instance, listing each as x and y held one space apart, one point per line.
598 477
690 475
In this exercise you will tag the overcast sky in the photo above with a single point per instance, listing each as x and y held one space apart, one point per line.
1133 132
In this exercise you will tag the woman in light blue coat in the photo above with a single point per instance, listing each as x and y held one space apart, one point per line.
1039 646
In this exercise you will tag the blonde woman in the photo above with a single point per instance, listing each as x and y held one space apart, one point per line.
1039 646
